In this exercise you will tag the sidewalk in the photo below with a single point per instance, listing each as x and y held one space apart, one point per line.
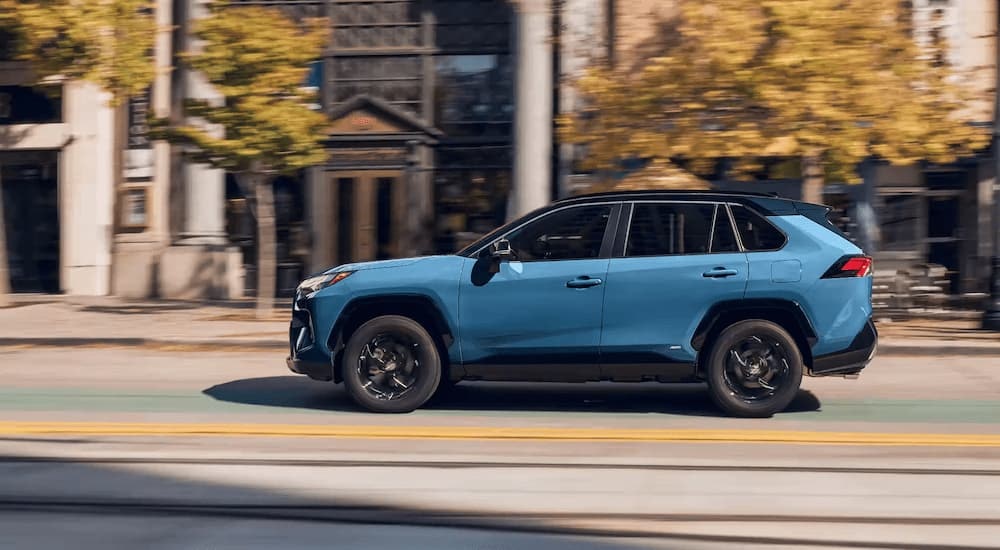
61 321
85 321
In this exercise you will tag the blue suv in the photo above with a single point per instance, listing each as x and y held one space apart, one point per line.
746 292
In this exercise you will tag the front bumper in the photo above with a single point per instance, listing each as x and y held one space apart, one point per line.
316 370
305 355
851 360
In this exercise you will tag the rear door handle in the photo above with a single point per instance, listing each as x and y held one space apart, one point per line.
583 282
719 272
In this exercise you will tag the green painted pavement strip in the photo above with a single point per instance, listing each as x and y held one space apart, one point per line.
91 400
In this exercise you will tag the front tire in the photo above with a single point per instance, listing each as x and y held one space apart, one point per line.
391 365
754 369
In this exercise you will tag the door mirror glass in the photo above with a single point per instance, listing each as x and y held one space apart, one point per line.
501 250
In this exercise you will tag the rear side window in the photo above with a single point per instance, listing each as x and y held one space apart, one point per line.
669 229
756 233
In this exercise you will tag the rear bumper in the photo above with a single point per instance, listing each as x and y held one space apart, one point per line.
851 360
313 369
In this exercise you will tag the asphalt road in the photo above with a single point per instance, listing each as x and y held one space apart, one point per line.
113 448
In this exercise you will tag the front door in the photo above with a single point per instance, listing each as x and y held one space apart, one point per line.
369 207
539 317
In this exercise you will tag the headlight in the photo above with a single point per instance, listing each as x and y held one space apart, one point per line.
319 282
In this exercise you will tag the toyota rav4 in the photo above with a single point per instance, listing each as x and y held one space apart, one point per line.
745 292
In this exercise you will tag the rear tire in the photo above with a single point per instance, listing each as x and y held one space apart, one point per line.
754 369
391 365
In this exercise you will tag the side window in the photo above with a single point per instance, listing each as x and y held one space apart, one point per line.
665 229
570 234
756 233
723 239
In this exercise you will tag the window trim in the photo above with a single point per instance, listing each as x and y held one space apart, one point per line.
622 252
739 238
606 241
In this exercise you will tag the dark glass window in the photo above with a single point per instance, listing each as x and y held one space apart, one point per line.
723 239
395 79
665 229
900 218
376 25
756 233
474 94
26 105
570 234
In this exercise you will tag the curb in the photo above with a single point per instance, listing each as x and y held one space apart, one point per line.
936 350
208 344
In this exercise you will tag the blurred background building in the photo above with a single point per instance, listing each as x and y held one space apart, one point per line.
442 117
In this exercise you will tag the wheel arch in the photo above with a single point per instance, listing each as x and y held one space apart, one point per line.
421 308
787 314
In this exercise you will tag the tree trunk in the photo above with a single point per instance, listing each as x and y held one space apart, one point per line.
266 248
4 266
812 178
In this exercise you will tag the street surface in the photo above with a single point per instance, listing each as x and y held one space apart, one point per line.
130 448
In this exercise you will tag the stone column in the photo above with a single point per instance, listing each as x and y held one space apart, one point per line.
201 264
204 186
321 215
533 107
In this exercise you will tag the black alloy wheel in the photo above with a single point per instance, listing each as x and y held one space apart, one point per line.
754 369
391 364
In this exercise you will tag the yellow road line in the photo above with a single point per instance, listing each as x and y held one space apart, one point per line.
499 434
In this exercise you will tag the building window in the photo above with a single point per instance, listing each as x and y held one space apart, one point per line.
27 105
376 25
396 79
135 208
472 25
900 221
474 95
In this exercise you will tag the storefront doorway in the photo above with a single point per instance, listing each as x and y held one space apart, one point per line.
31 216
369 206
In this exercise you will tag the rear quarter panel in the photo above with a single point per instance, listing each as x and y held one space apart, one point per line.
837 308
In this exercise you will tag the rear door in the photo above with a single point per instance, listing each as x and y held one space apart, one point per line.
675 261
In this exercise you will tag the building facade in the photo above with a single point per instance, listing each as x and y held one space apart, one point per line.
441 127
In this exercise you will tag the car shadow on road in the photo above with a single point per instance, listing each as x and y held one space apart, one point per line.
680 399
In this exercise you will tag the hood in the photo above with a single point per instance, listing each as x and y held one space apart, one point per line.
379 264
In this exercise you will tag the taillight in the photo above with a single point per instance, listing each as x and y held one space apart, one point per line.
850 266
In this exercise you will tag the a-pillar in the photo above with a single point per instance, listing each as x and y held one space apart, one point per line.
532 107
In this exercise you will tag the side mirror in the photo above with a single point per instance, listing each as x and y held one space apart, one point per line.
500 251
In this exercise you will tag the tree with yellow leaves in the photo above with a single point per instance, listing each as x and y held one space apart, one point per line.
830 82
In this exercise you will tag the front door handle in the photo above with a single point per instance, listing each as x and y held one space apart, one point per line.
719 272
583 282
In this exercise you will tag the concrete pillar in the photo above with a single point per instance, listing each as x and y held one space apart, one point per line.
86 191
321 213
201 264
204 186
533 107
137 255
583 39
